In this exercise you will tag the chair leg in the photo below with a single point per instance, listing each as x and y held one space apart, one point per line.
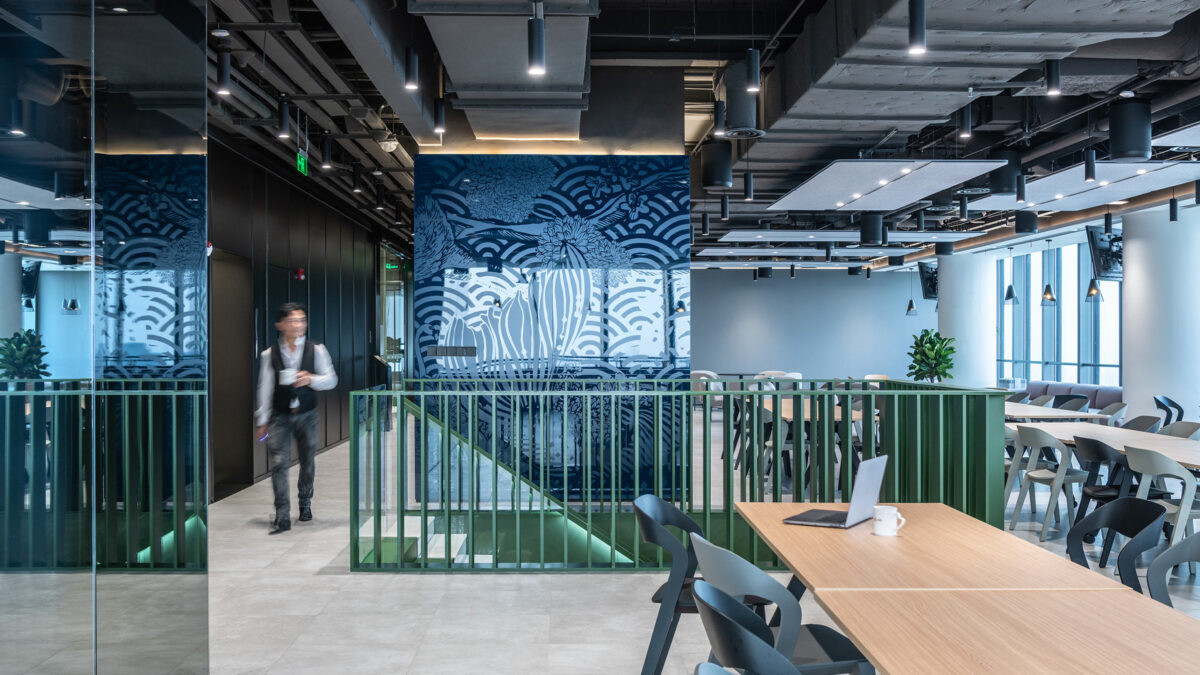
1054 490
1011 478
1025 483
1070 503
660 640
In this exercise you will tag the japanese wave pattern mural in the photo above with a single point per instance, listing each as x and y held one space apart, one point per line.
552 266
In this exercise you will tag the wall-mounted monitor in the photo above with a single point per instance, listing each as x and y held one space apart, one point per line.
929 280
1108 254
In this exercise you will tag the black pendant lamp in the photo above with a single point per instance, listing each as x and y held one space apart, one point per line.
753 71
705 221
284 123
916 27
412 70
912 308
1053 74
1089 166
537 41
356 181
1108 223
1048 299
1020 188
754 277
748 186
724 207
224 74
828 252
326 152
793 272
1010 294
1093 292
719 118
439 116
1173 210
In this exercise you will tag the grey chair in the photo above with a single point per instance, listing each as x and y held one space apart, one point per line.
1019 397
1059 477
1141 520
1042 400
1075 404
741 639
1148 423
1115 411
654 516
1182 429
741 579
1186 551
707 668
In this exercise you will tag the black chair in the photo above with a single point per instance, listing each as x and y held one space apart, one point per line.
1060 399
1094 455
674 598
741 639
1141 520
1147 423
1172 411
1187 551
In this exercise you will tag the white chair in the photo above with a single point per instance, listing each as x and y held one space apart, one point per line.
1155 466
1182 429
876 377
1060 476
707 380
769 375
1116 413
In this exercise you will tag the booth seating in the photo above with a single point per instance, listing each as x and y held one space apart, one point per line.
1098 396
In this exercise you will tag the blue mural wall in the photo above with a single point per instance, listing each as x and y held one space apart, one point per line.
552 266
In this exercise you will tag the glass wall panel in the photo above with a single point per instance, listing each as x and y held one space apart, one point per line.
1033 300
1068 300
46 558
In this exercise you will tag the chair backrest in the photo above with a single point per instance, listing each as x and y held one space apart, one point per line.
704 375
1044 399
707 668
1115 411
1139 519
1035 440
1061 399
1074 404
1019 397
1172 411
1142 423
654 516
1091 450
1187 550
739 638
1151 463
1182 429
739 578
876 376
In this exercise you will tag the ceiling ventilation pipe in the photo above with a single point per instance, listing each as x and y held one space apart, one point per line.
870 228
716 165
1129 129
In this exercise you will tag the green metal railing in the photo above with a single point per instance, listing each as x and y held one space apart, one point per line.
541 474
138 481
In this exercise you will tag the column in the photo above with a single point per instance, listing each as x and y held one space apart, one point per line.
967 313
10 294
1159 323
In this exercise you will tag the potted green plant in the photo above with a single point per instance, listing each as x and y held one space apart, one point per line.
22 357
932 356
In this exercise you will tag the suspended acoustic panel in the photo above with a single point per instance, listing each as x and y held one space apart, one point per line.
748 264
813 236
1066 190
881 184
806 252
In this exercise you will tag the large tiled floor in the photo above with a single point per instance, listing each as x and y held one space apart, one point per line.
287 604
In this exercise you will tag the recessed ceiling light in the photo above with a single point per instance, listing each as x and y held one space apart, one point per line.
120 10
841 204
856 195
1058 196
1127 93
1030 203
883 181
1141 171
1119 202
1103 183
22 203
758 236
906 170
812 236
220 33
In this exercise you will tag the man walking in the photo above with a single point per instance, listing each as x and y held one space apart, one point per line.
289 373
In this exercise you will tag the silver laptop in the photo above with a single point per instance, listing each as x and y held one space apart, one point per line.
863 499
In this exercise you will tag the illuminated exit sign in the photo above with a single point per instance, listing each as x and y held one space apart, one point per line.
302 162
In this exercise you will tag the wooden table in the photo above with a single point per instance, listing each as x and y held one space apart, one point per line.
1016 631
787 408
1182 450
937 548
1037 412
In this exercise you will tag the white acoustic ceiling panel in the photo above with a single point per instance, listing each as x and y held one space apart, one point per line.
749 264
1067 191
880 184
1188 136
814 236
805 252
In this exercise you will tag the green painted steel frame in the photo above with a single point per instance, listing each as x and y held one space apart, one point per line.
945 443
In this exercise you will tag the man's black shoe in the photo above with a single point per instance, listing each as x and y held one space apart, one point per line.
305 514
280 525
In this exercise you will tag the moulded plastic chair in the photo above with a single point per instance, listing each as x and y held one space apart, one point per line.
1044 399
1172 411
1138 519
1014 465
1182 429
1115 411
1020 397
1094 455
1152 464
1061 401
739 578
1186 551
741 639
675 597
707 380
1060 477
711 669
795 375
1148 423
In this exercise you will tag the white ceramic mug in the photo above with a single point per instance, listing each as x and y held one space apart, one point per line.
888 521
287 376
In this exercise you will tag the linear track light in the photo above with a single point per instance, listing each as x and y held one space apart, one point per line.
1053 72
439 116
753 71
224 74
916 27
1089 165
412 70
284 126
537 41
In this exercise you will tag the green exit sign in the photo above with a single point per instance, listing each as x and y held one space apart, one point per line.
302 162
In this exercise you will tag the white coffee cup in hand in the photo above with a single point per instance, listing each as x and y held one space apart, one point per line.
888 521
287 376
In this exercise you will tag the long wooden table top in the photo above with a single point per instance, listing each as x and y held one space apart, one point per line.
787 408
937 548
1182 450
1016 631
1031 412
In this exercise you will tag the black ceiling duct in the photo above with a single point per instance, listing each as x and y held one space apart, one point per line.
1129 130
741 106
716 165
943 202
870 228
1027 222
895 260
1003 181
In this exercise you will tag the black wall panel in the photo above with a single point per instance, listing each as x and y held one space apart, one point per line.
279 227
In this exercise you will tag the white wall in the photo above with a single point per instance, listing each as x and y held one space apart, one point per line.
66 336
823 323
1159 319
967 291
